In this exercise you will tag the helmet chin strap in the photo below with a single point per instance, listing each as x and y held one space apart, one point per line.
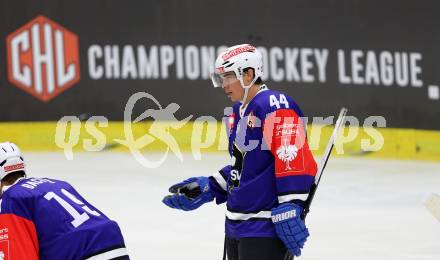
246 92
246 89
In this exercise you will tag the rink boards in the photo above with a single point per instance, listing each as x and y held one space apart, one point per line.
374 142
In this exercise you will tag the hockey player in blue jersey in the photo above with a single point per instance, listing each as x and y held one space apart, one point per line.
47 219
271 171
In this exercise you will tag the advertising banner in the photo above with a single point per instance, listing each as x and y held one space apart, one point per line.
377 58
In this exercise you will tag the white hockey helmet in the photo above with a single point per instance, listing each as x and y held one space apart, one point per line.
236 59
11 159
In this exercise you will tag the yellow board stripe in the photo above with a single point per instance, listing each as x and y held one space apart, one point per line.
406 144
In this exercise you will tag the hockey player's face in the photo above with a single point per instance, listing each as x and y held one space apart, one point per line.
232 87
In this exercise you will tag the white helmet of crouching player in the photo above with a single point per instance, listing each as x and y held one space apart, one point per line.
11 159
237 59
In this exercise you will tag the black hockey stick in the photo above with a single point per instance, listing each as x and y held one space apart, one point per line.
328 150
324 160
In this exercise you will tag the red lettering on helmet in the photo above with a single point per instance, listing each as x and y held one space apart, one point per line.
237 51
14 167
220 70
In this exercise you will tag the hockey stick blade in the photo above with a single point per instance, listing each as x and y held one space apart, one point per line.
433 205
338 125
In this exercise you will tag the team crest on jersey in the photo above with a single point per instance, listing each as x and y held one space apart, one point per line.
231 120
4 250
287 153
251 119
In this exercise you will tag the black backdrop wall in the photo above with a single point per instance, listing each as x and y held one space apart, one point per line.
374 57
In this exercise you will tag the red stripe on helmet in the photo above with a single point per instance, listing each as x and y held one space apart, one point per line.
237 51
14 167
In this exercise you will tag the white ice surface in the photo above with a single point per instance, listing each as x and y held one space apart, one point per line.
364 209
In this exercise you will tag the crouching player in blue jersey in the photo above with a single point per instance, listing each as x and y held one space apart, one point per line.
271 171
47 219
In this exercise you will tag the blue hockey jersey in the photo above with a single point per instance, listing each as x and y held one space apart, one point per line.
271 163
47 219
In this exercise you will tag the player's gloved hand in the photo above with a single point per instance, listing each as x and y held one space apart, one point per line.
289 226
189 194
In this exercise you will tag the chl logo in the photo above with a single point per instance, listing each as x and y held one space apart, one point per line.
43 58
